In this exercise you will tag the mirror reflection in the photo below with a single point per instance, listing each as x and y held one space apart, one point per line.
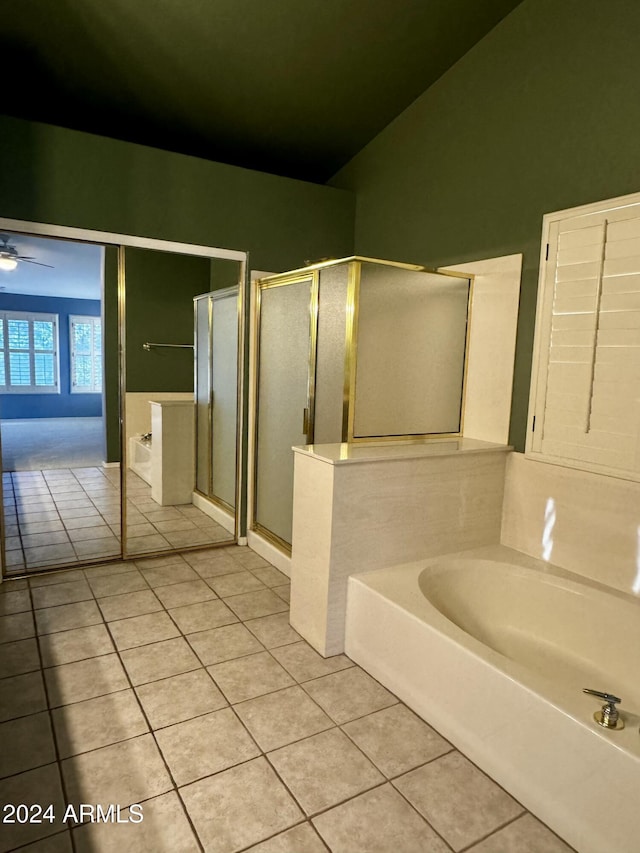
79 419
171 497
60 476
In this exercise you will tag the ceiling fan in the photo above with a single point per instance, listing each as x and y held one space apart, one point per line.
9 257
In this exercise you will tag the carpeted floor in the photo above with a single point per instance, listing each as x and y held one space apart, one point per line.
37 444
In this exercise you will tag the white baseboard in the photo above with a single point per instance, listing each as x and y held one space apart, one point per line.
110 464
221 516
270 553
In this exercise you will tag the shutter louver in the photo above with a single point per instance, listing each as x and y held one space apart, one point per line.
588 403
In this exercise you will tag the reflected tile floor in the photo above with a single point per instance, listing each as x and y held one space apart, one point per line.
178 684
66 515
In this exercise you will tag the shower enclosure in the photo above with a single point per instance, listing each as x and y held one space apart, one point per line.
353 350
216 318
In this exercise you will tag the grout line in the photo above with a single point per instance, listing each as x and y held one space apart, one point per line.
157 745
49 709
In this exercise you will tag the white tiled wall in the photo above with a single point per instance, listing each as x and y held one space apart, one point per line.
584 522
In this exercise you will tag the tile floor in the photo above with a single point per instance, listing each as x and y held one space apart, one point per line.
177 683
66 515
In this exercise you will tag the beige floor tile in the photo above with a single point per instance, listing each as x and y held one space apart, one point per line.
17 626
26 743
98 722
159 660
284 592
60 843
17 601
39 540
164 829
123 773
457 799
201 616
240 806
82 511
91 522
349 694
13 585
41 527
160 562
61 593
205 745
164 575
247 677
248 558
211 564
273 631
340 770
270 576
396 740
142 544
181 594
118 584
184 538
22 695
74 645
67 576
35 787
252 605
304 663
174 525
85 679
49 554
235 583
130 604
67 616
524 835
108 569
179 698
300 839
277 719
83 534
98 547
142 630
144 528
379 821
19 657
226 643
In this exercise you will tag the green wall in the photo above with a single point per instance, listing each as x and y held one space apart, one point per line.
543 114
53 175
159 291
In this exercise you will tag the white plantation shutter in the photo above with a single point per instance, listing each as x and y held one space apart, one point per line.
586 399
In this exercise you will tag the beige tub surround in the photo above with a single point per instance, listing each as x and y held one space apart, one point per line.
173 449
586 522
364 507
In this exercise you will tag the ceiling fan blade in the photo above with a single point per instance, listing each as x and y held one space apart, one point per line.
37 263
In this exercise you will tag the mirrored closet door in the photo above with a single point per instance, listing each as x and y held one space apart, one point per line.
98 427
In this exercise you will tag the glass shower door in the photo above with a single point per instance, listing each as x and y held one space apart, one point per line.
287 323
216 317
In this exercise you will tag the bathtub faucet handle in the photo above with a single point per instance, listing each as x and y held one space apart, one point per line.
608 717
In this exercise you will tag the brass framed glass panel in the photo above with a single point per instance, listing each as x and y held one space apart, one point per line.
286 328
406 364
217 318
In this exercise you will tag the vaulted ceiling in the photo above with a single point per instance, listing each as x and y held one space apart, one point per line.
292 87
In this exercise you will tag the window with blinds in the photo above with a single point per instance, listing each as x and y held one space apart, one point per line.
28 353
86 355
585 403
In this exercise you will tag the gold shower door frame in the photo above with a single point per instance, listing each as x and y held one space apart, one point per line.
311 276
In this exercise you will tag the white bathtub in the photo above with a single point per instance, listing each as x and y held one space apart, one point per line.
493 649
